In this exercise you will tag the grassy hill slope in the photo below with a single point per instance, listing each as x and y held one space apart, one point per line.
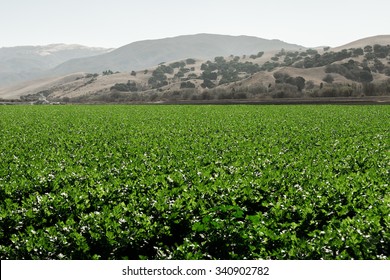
361 70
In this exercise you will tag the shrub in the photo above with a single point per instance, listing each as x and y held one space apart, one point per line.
284 79
165 69
207 84
206 95
130 86
269 66
368 49
178 64
220 60
190 61
187 84
284 91
158 78
300 83
369 89
260 54
351 71
381 51
89 75
281 77
107 72
379 66
240 95
209 75
328 79
358 51
192 76
328 92
311 52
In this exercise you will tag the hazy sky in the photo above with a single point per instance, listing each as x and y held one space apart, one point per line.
113 23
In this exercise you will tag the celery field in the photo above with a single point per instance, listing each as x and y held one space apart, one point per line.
195 182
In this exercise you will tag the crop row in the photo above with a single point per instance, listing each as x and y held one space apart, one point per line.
194 182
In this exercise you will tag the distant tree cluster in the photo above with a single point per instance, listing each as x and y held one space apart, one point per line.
187 84
182 71
311 58
381 51
179 64
35 96
351 71
159 79
107 72
130 86
228 70
258 55
165 69
90 75
207 84
190 61
281 78
328 79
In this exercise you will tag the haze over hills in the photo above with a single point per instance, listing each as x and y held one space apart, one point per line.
29 62
204 67
144 54
19 64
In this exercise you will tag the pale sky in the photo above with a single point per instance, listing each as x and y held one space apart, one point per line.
114 23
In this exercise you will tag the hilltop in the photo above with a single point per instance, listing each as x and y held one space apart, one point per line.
369 41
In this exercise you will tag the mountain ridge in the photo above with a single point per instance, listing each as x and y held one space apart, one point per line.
324 72
147 53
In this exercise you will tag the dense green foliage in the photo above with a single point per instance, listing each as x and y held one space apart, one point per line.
311 58
281 78
194 182
187 84
107 72
228 70
351 71
159 78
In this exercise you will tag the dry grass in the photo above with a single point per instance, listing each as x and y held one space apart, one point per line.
380 39
78 84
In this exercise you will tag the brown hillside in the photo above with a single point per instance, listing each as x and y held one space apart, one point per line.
349 70
380 40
